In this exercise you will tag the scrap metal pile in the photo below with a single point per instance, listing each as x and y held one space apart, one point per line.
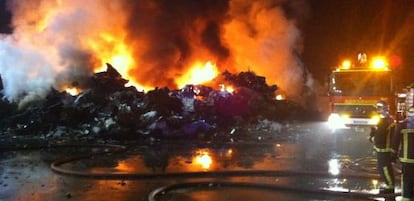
109 110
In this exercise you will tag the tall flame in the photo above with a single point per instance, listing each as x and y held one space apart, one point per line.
119 55
150 43
113 49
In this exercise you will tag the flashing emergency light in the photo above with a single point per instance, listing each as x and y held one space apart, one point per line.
379 63
346 64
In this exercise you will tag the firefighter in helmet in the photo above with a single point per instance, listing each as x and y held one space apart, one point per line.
403 145
381 137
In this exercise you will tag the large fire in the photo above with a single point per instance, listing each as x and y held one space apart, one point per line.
199 73
120 56
112 49
150 43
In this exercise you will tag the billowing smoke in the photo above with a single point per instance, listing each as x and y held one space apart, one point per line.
56 42
173 34
262 39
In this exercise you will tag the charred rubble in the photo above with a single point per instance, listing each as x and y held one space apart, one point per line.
6 108
107 109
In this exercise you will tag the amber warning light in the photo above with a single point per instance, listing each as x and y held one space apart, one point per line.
378 63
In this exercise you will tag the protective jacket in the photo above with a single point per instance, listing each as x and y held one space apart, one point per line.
381 136
403 140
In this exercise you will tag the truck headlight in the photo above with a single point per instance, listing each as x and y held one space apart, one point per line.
337 121
374 119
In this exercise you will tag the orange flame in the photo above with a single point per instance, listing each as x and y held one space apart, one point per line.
279 97
73 91
227 88
129 37
204 159
113 49
118 56
198 74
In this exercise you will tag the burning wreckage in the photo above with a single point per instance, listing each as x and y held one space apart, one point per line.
109 110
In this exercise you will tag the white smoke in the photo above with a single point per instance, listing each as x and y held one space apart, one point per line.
53 40
24 71
46 45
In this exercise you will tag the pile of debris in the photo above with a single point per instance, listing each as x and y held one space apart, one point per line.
107 109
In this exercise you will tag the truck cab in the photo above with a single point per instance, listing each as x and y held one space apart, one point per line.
355 89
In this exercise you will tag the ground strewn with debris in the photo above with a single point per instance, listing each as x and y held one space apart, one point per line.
108 110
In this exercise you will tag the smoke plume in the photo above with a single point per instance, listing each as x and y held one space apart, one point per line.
56 42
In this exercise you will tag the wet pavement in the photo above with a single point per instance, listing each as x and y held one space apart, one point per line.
305 161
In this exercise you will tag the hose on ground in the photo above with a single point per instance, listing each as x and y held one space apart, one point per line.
56 167
153 195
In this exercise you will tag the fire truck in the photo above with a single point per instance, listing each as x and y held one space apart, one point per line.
354 90
404 100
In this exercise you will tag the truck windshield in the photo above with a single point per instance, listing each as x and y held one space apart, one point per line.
361 83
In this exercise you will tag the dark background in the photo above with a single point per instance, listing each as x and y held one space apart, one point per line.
5 17
337 29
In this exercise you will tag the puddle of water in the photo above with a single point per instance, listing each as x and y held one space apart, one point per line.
25 175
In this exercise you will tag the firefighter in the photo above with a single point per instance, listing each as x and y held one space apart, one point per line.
403 145
381 137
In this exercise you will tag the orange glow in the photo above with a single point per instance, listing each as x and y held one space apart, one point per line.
73 91
379 63
139 87
229 89
346 64
71 36
124 166
199 73
229 153
204 159
119 55
112 49
280 97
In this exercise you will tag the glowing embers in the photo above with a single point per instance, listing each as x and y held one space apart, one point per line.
280 95
224 88
203 159
74 91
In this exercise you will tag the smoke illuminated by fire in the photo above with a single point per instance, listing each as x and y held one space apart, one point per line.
150 43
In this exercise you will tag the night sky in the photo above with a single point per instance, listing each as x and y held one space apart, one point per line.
4 18
337 29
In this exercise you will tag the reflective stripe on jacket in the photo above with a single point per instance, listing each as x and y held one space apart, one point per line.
382 135
407 148
403 142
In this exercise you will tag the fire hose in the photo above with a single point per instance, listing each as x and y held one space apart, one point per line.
56 167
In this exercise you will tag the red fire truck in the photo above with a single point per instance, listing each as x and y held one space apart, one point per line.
355 88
